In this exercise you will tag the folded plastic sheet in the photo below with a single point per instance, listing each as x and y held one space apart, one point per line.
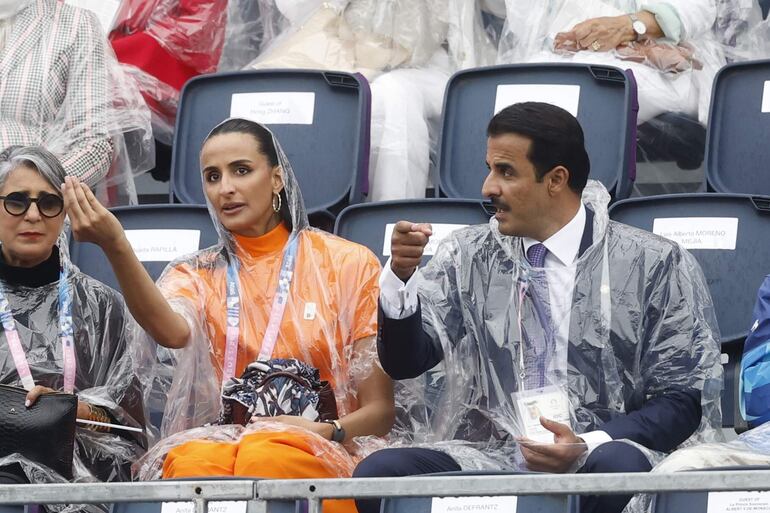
753 43
184 386
751 448
63 88
641 325
251 26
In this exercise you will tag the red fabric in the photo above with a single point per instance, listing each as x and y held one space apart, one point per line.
172 40
144 52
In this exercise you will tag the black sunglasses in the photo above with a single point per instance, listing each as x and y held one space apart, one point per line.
17 204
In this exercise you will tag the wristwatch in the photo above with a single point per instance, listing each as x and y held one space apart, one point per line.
338 435
638 25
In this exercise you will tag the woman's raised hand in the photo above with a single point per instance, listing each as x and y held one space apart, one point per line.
91 222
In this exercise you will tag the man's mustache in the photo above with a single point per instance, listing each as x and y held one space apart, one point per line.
492 205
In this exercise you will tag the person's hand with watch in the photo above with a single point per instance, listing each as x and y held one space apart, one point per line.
608 32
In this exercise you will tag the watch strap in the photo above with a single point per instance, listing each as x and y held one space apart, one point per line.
338 435
634 20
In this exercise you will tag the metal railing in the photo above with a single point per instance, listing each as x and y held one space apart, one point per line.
258 494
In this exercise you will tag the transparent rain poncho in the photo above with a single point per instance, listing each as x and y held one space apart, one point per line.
751 447
406 49
104 378
61 87
672 75
332 304
371 37
640 324
164 43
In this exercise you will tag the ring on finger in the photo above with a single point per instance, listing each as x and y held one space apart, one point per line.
596 46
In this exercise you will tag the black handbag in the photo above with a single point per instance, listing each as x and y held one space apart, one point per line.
43 433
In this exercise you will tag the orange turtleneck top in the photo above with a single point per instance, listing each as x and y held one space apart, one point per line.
332 301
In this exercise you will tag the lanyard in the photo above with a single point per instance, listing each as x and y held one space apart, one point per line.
276 312
66 336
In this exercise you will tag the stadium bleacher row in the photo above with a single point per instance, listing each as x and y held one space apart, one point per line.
330 157
332 172
332 166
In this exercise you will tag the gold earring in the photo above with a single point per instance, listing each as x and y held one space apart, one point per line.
277 207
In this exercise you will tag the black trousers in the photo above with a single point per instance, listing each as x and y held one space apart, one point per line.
610 457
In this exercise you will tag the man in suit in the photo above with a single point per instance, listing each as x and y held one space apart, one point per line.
606 330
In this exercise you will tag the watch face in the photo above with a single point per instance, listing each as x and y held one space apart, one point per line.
639 27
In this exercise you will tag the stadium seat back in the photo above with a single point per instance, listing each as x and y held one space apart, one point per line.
158 234
524 503
371 224
603 99
322 120
157 507
737 149
694 502
706 221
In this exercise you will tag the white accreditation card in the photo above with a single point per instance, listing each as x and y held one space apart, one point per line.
549 402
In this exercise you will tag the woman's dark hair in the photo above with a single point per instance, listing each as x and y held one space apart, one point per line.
266 147
557 139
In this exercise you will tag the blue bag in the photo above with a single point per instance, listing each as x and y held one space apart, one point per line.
755 367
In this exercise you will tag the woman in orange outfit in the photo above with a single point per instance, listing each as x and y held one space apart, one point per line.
272 288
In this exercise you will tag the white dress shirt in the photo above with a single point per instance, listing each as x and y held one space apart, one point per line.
399 300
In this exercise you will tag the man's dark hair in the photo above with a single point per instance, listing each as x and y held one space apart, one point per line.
557 139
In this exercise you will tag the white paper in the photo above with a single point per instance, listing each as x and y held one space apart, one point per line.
163 245
274 108
213 507
549 402
501 504
105 10
738 502
440 231
699 232
565 96
766 97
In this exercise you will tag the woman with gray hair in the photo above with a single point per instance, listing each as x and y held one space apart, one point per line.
62 330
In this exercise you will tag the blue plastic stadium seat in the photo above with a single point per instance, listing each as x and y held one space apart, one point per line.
691 502
155 507
366 223
524 503
733 276
737 151
606 110
14 509
330 157
92 261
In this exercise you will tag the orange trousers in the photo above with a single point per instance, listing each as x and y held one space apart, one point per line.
270 455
